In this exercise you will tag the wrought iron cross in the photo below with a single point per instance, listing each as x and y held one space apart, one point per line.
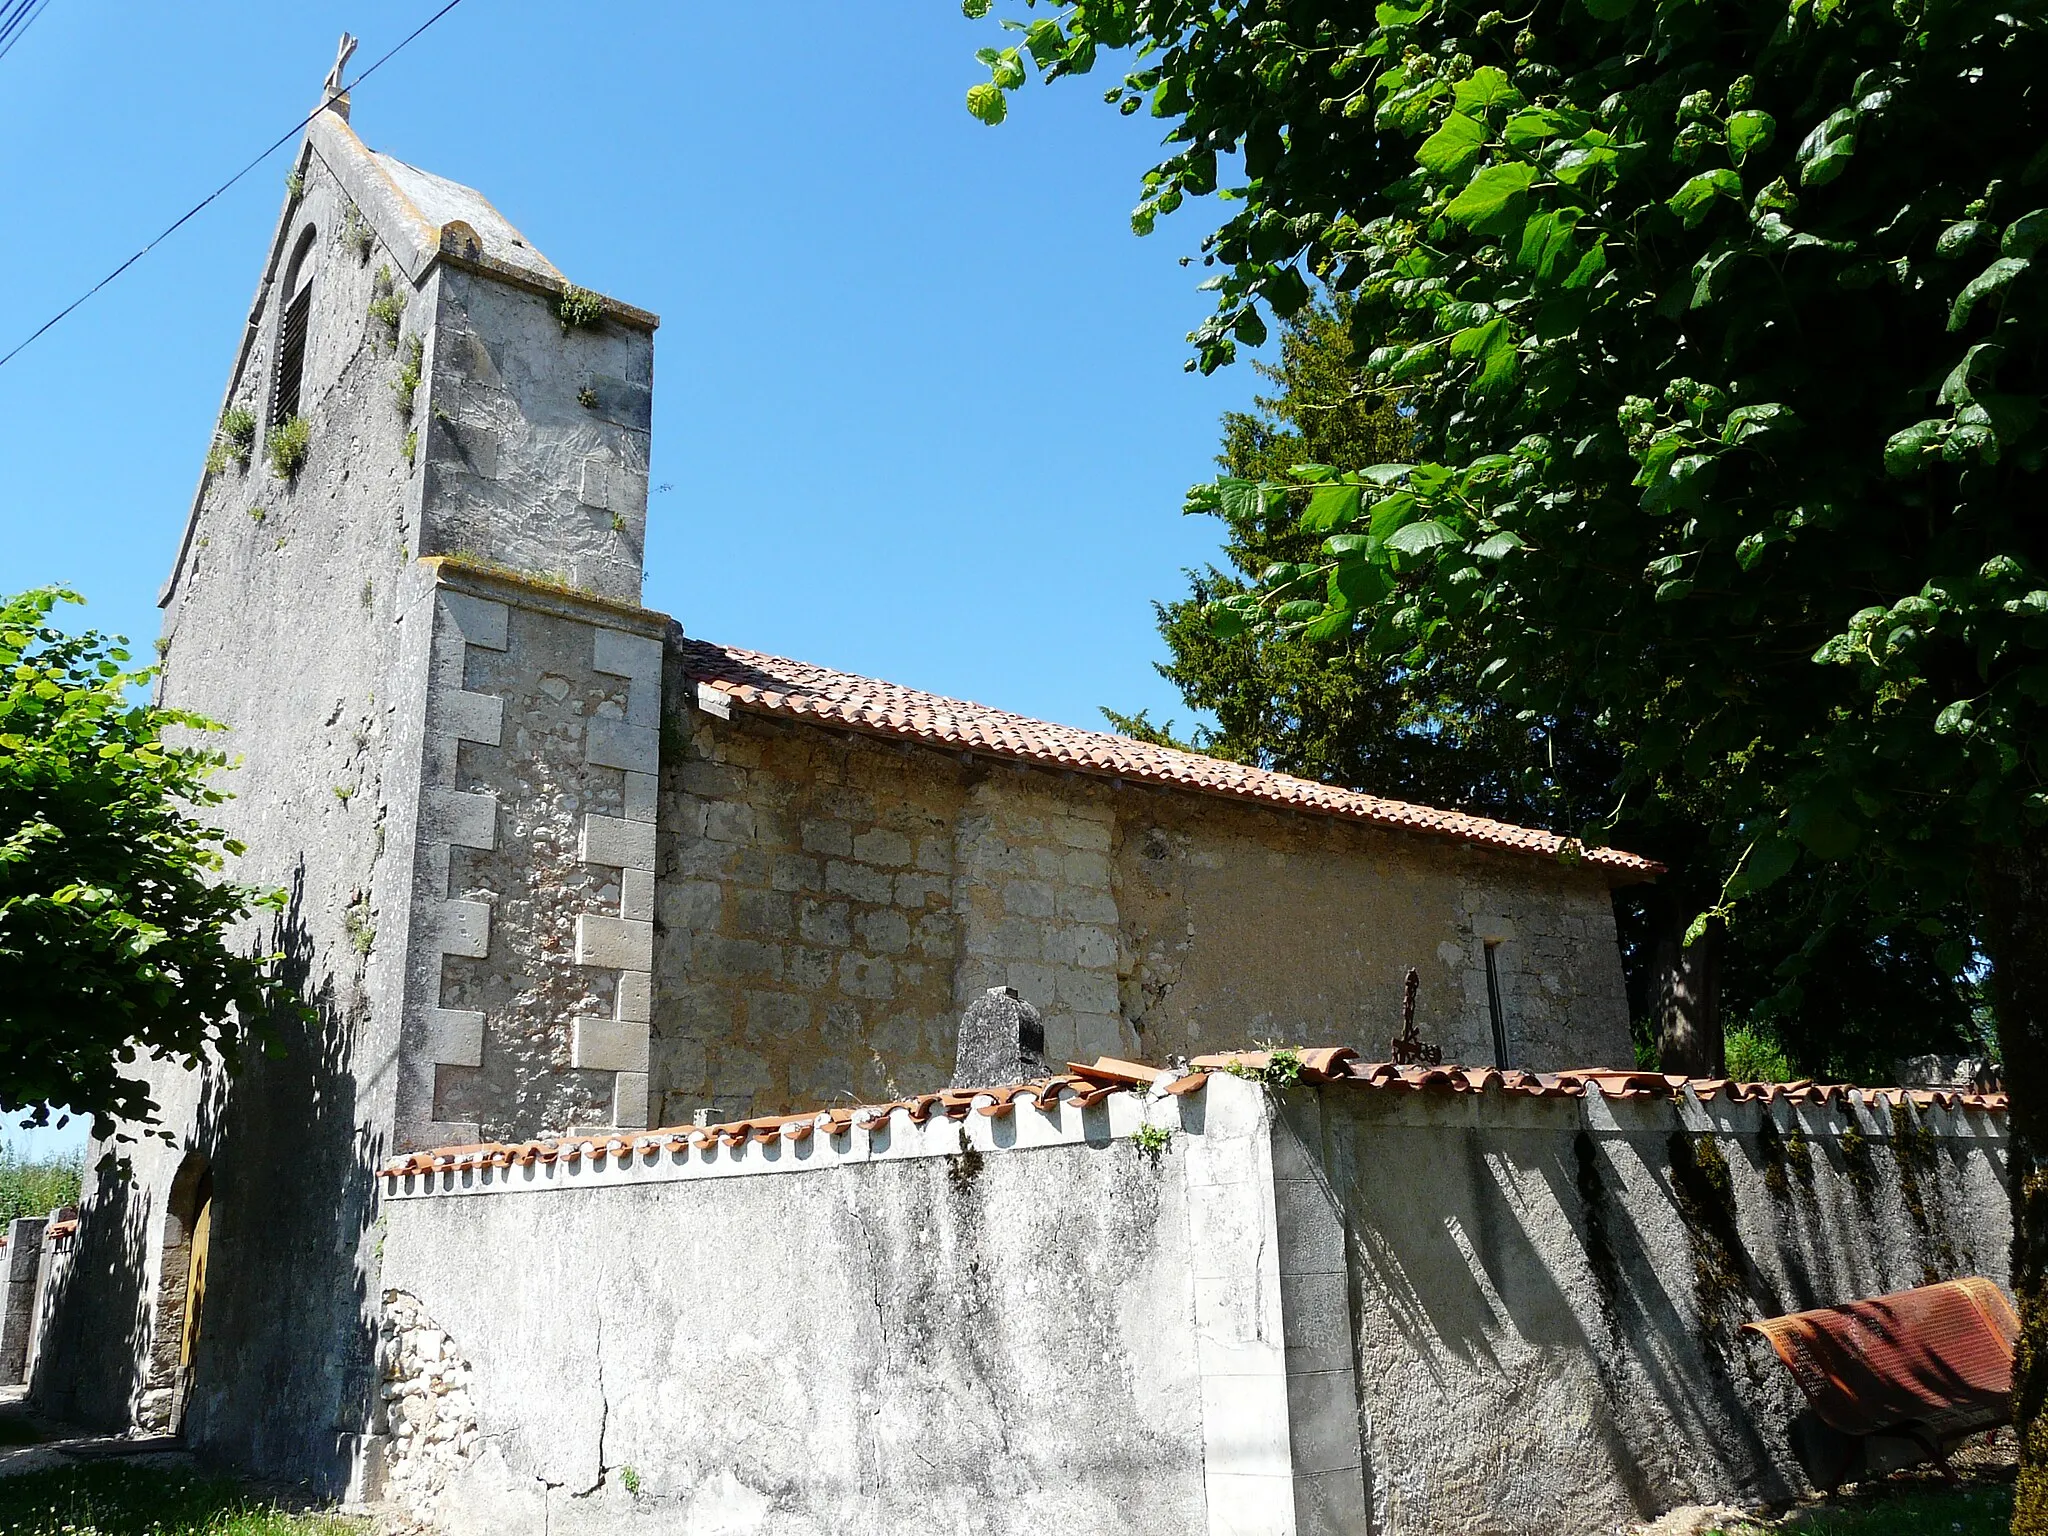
1408 1048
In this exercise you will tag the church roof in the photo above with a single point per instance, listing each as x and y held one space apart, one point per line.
726 676
440 202
422 218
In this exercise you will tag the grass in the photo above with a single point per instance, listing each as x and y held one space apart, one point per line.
37 1188
1969 1510
121 1499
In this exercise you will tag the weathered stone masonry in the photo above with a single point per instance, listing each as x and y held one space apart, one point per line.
829 902
536 863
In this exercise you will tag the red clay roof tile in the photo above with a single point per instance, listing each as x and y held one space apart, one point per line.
1085 1086
776 685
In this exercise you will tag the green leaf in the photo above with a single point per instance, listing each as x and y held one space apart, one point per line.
1494 191
1546 239
1420 538
1475 340
1609 10
1333 622
1750 131
1502 544
1453 147
1959 237
1829 164
1991 280
986 102
1331 506
1385 474
1770 859
1391 512
1695 200
1225 622
1360 583
1962 382
974 10
1750 421
1538 125
2025 234
1903 451
1242 501
1824 830
1590 266
1390 15
1486 89
1047 44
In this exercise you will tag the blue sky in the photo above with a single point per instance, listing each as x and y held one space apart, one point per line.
919 392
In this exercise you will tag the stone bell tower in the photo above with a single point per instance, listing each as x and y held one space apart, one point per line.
409 588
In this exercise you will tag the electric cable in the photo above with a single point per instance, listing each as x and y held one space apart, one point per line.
19 18
186 217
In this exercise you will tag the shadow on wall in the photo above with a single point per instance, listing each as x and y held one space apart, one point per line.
1639 1256
285 1353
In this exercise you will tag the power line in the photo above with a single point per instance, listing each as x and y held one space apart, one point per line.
186 217
19 18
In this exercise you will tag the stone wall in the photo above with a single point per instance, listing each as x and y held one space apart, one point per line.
806 939
519 470
529 986
423 1404
283 620
1302 1312
20 1259
1241 923
904 1328
1548 1295
828 903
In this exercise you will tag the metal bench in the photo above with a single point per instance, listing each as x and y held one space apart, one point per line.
1897 1379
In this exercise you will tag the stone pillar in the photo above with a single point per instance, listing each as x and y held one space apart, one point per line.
18 1263
1002 1040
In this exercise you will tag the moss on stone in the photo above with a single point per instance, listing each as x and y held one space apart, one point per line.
1705 1194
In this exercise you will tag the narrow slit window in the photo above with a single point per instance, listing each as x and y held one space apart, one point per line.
1493 1006
291 337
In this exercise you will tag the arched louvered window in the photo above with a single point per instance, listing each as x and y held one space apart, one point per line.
290 377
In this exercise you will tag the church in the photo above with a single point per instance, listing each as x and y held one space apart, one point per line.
621 1176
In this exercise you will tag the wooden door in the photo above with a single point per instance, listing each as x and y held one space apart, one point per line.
195 1301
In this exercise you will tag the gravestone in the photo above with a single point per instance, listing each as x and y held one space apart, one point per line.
1002 1040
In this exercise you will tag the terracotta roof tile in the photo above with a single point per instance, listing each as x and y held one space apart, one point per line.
1088 1085
776 685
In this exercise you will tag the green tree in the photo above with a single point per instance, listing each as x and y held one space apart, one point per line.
1804 967
1724 331
115 929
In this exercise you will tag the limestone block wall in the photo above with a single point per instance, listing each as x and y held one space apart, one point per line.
534 440
806 935
1038 908
530 951
1236 918
827 904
